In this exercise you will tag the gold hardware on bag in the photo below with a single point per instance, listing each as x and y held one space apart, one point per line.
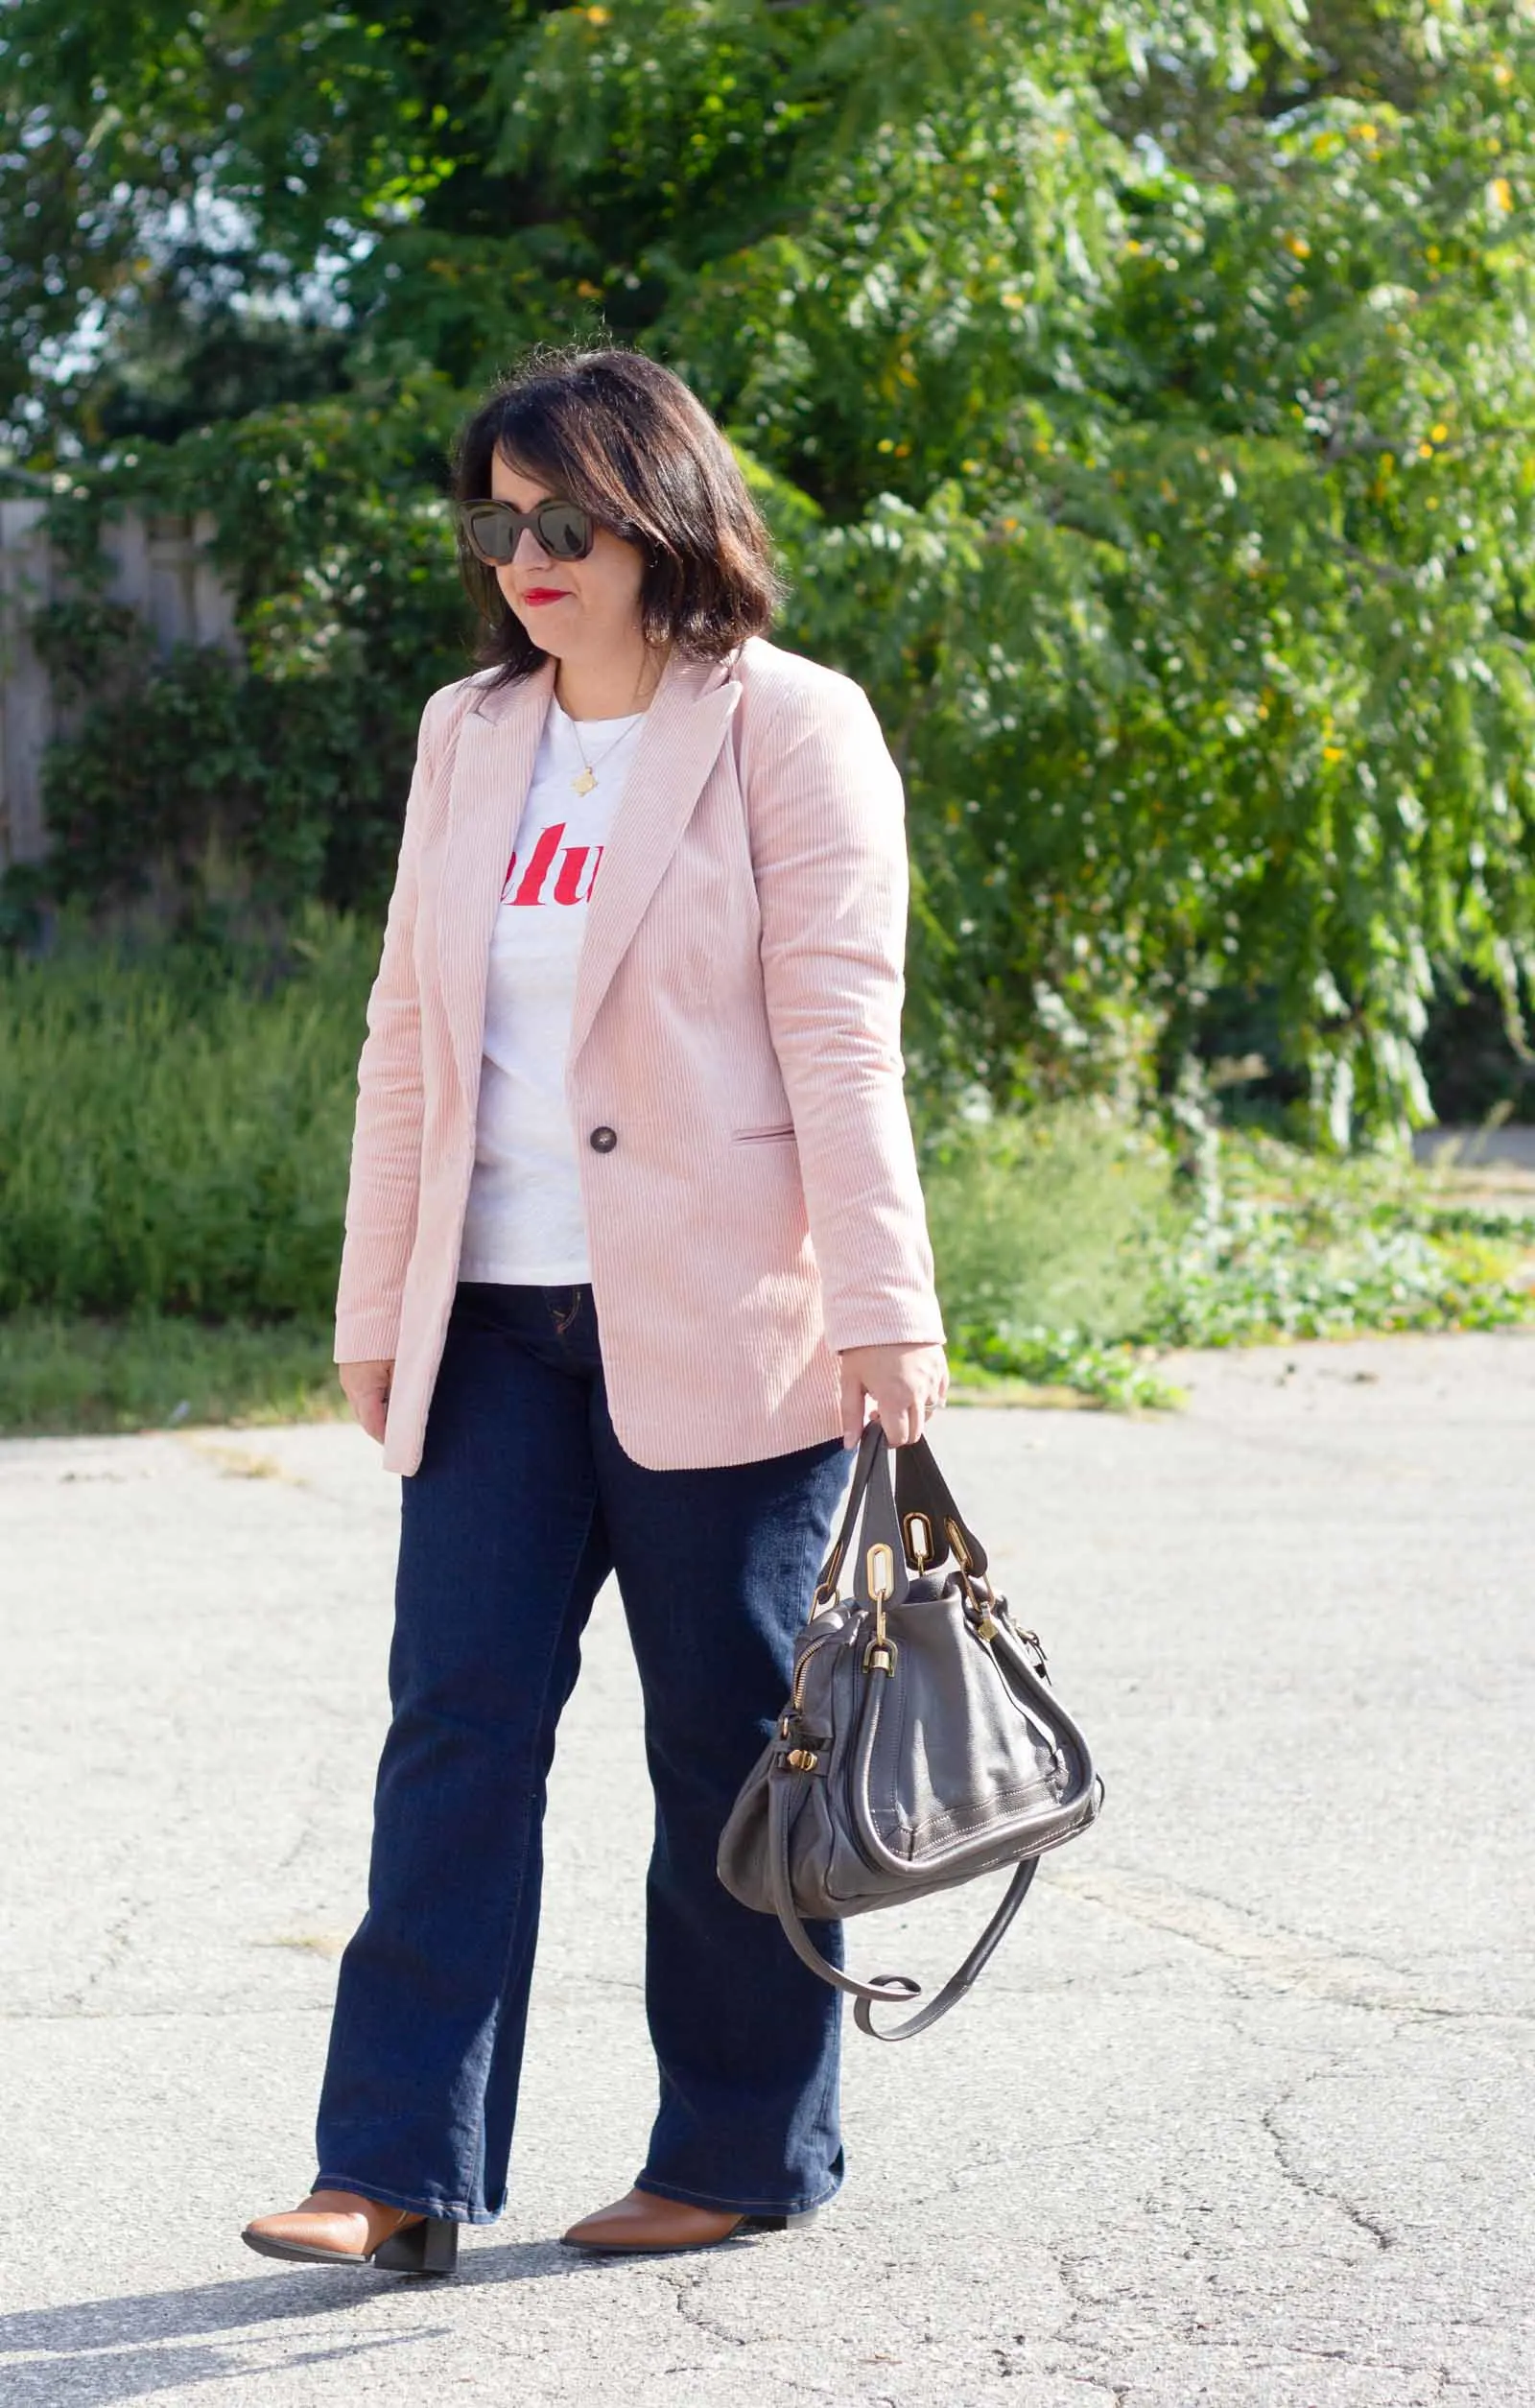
918 1539
796 1695
983 1598
956 1540
882 1654
804 1759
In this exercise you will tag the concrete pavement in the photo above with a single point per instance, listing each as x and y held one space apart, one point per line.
1243 2114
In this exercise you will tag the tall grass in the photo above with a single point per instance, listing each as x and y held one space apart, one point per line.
172 1138
1056 1220
148 1370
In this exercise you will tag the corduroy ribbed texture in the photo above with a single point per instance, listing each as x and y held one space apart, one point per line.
737 1024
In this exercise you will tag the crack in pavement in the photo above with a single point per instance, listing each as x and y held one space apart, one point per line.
1315 2191
686 2286
1284 1960
115 1947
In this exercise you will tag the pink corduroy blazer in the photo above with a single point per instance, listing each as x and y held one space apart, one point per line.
736 1027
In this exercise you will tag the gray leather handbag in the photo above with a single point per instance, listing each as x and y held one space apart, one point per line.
922 1742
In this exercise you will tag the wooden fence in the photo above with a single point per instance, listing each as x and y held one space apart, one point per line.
161 567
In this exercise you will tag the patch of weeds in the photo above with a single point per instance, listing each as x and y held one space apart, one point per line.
1287 1245
1045 1360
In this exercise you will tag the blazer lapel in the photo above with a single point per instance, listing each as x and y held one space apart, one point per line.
677 747
492 770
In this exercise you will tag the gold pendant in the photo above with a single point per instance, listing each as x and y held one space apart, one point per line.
583 784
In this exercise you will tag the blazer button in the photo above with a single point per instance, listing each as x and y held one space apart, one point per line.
604 1139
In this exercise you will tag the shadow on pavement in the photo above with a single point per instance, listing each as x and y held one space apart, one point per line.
129 2375
131 2333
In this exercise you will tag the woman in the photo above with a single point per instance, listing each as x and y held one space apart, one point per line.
634 1242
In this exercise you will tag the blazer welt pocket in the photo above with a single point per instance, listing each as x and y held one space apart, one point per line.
761 1136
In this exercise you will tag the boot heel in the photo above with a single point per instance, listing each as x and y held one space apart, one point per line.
782 2224
428 2248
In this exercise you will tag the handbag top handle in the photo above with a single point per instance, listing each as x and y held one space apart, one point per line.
920 1525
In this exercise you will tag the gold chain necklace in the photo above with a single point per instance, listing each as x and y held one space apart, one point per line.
587 778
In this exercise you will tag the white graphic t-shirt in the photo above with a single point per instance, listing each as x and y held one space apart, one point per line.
524 1223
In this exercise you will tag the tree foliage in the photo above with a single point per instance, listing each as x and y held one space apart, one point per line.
1143 401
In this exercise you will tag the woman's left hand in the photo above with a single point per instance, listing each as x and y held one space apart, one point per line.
904 1384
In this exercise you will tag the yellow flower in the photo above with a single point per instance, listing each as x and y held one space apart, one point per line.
885 444
1297 245
1366 133
1500 193
598 17
1426 451
1439 434
1333 752
1431 254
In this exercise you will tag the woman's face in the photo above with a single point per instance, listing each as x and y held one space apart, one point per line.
587 608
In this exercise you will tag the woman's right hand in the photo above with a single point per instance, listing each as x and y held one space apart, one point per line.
367 1386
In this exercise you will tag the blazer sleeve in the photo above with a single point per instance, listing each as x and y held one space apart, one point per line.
384 1188
826 812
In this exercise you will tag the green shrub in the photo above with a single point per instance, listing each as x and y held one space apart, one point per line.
1050 1219
1287 1246
1069 1258
172 1137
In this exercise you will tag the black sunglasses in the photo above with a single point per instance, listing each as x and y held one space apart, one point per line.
566 529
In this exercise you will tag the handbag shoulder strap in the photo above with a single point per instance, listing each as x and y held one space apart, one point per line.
884 1987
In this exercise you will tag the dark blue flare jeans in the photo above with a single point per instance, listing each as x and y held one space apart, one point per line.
523 1503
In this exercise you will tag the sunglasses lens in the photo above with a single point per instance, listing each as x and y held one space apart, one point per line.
565 530
491 539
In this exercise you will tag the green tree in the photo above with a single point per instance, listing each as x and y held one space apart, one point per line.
1142 400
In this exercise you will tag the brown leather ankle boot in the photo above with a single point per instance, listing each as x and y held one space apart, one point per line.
340 2228
642 2220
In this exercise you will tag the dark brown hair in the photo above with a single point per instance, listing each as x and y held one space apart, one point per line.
615 430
